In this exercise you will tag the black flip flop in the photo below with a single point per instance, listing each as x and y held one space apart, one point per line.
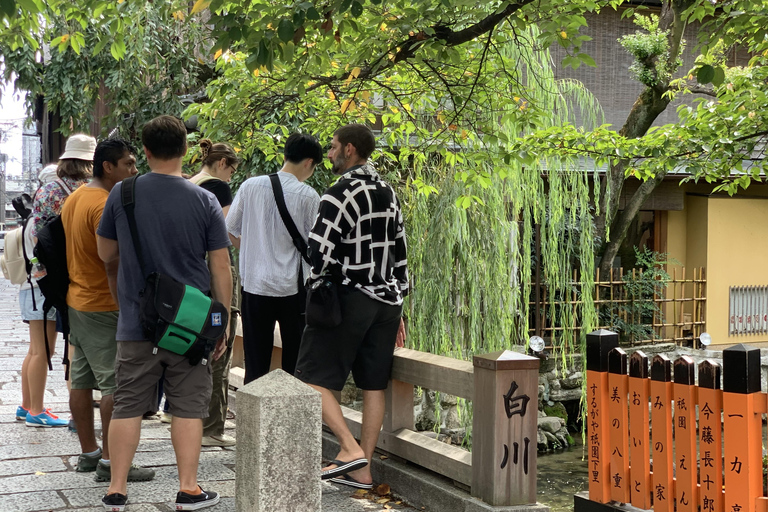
342 468
348 480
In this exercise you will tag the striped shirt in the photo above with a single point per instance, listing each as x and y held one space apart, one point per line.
269 262
359 232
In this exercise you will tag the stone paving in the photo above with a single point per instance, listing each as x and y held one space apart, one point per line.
37 466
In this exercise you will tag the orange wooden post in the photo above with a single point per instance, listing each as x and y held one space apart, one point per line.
639 453
710 438
599 344
619 423
663 490
742 428
686 485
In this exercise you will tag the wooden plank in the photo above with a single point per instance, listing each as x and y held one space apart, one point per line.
661 434
710 401
438 373
445 459
618 383
686 471
640 457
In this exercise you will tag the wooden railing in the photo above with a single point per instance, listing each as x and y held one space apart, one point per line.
503 388
663 459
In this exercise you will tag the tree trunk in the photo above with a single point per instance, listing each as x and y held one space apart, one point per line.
646 109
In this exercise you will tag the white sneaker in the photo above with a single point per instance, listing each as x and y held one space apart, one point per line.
166 417
222 440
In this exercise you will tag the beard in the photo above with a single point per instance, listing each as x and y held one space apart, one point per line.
339 164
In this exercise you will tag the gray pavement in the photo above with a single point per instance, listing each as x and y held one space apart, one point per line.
37 466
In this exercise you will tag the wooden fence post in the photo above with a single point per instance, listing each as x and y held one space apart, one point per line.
639 453
618 382
505 428
399 406
661 437
742 428
686 486
710 437
599 345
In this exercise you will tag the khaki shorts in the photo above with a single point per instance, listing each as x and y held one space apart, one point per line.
92 336
138 372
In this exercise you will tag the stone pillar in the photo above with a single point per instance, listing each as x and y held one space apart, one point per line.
504 428
279 445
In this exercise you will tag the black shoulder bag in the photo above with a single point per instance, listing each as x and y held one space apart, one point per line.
321 301
174 316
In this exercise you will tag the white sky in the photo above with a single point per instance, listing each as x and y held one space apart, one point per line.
12 110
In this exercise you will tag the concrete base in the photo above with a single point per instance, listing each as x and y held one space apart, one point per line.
423 488
581 503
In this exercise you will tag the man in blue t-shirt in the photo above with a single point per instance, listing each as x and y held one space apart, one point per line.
178 224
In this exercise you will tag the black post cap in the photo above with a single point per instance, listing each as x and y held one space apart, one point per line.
638 365
709 374
741 369
617 361
599 345
685 371
661 368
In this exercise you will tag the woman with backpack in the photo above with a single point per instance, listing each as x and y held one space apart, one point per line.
73 169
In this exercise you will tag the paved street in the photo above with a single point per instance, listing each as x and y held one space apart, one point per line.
37 466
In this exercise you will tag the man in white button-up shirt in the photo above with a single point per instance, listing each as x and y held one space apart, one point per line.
269 261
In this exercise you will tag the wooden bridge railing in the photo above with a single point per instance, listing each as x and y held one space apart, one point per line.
503 387
645 445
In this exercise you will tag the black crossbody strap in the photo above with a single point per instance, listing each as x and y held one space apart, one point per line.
298 241
128 196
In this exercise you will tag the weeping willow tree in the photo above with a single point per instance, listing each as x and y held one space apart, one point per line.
469 240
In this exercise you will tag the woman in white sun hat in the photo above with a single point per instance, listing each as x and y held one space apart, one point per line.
73 170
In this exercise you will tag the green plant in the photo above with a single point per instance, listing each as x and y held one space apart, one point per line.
634 316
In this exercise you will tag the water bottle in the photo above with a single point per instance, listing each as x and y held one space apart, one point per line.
38 269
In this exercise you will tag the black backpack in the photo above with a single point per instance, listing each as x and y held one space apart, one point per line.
51 251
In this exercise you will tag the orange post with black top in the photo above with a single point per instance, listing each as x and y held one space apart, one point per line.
686 474
599 345
639 425
662 487
710 438
742 428
618 387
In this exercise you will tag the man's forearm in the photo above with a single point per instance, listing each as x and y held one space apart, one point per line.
111 268
221 283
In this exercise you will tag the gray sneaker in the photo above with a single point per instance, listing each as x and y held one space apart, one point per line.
135 474
87 463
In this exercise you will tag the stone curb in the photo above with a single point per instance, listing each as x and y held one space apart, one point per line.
422 488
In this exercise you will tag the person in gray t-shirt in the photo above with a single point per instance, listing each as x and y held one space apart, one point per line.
178 224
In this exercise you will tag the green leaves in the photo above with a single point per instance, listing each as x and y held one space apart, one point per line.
7 8
285 30
705 74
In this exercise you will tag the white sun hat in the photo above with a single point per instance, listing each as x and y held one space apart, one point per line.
79 146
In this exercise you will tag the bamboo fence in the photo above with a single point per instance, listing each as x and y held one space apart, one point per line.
680 320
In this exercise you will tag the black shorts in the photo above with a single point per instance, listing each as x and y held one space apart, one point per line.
364 343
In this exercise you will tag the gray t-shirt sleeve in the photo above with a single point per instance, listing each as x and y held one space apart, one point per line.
107 228
217 237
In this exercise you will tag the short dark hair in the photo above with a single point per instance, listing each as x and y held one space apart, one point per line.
110 150
360 136
301 146
165 137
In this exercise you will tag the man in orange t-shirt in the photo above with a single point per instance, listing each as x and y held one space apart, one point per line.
93 311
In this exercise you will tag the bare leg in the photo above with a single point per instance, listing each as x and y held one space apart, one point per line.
186 434
25 399
125 435
81 405
105 411
37 367
374 404
333 417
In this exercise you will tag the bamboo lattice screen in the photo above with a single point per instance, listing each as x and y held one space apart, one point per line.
682 307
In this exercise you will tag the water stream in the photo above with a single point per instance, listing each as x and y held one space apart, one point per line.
561 475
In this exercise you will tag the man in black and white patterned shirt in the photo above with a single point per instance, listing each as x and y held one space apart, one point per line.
358 236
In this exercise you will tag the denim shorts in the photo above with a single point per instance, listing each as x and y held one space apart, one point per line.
30 311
